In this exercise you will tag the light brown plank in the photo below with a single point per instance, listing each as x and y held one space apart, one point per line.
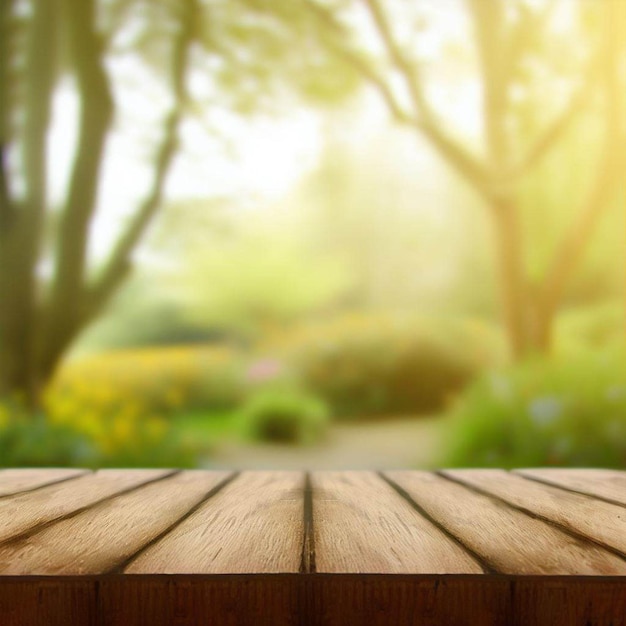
361 525
595 519
254 525
609 484
14 481
22 512
103 536
513 542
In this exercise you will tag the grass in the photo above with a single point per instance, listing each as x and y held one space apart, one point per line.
205 430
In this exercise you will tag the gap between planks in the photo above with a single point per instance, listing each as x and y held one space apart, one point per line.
32 479
307 492
513 500
512 538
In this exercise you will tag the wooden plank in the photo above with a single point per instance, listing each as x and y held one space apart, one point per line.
254 525
362 525
568 600
312 600
199 600
102 537
596 519
608 484
511 541
409 600
23 512
25 601
14 481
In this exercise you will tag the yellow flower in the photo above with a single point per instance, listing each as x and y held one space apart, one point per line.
122 428
4 416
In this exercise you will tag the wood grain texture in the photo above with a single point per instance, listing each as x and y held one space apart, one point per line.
203 522
25 601
608 484
596 519
253 525
568 600
14 481
410 600
509 540
362 525
313 600
21 513
101 537
197 600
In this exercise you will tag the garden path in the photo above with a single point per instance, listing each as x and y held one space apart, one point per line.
396 443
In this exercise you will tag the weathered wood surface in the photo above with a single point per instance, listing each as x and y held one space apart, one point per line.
458 547
22 480
253 525
362 526
508 539
606 484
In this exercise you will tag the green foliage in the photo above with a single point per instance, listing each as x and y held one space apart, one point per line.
141 315
246 49
284 416
38 440
34 442
384 365
262 276
590 327
544 412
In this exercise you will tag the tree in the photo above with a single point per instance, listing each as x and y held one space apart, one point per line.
46 41
511 38
38 322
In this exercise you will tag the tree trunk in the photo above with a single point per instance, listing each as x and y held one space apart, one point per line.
513 292
20 237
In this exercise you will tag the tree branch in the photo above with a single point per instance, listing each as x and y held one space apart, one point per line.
63 310
461 159
376 81
422 119
119 262
572 246
7 27
335 36
95 120
552 133
491 43
7 209
39 83
561 123
404 67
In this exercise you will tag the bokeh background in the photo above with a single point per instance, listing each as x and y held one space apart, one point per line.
313 233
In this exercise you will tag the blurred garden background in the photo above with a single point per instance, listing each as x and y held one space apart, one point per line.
312 233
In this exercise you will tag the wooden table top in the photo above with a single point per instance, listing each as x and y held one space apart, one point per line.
526 522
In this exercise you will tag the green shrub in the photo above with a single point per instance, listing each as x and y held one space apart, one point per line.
544 413
158 381
284 416
381 365
37 440
589 327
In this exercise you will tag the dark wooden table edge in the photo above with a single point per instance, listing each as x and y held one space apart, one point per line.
312 600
